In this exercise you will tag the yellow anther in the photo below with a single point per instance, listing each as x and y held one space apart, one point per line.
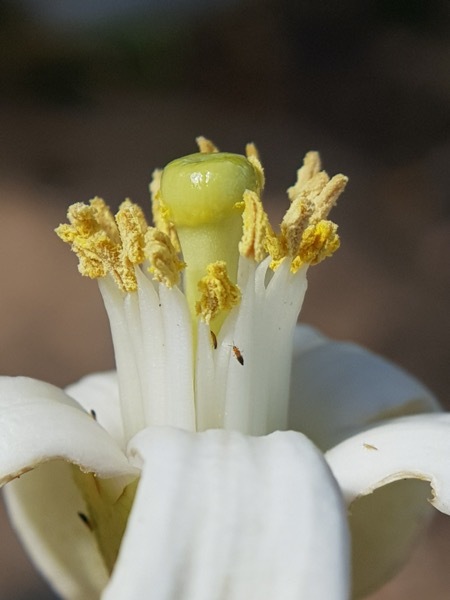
319 241
252 155
311 166
160 212
95 249
154 187
165 266
305 234
132 226
104 244
294 223
206 146
217 292
206 196
256 228
251 150
328 197
104 218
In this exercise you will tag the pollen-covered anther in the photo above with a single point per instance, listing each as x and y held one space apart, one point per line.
328 197
94 246
104 244
294 223
205 145
318 242
217 292
312 197
256 228
314 189
160 212
311 166
165 265
252 155
132 227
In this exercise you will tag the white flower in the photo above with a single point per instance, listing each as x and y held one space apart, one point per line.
178 476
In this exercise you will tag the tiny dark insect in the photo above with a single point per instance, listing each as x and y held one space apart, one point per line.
370 447
213 339
85 520
238 354
93 414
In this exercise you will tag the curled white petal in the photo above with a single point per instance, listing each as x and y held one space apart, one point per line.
44 507
220 515
338 388
42 430
416 447
396 461
39 422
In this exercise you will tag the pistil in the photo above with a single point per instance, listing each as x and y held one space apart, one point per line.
201 195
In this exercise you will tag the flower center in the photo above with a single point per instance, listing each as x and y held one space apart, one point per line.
214 350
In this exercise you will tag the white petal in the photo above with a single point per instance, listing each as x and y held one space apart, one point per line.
384 524
44 507
99 392
219 515
415 447
338 387
39 422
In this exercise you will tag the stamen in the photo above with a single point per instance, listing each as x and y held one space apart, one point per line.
306 235
252 155
318 242
209 203
165 266
160 212
104 244
206 146
311 166
94 237
132 226
217 292
256 228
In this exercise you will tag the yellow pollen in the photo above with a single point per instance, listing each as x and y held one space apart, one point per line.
251 150
104 218
217 292
132 226
311 166
305 234
256 228
107 245
207 211
319 241
206 146
160 211
252 155
327 198
165 266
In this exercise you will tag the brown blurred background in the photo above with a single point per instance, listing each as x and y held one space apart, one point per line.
93 97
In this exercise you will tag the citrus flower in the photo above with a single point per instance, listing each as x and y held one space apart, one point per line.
233 454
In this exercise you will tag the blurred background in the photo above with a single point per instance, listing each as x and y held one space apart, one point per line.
95 95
